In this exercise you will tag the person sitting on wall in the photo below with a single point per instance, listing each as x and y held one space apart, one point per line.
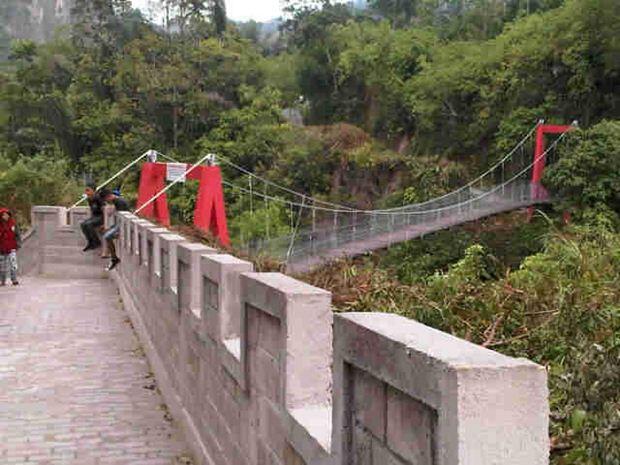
105 253
92 224
120 205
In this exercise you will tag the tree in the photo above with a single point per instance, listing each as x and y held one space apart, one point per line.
93 21
250 30
379 60
308 31
36 117
217 11
189 16
587 173
399 12
562 63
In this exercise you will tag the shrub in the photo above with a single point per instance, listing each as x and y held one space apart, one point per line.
39 180
587 174
561 308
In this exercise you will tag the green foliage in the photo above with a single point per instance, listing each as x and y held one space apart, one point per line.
217 10
40 180
309 32
379 60
507 240
543 62
560 308
413 261
400 12
252 135
475 19
182 202
431 177
280 72
263 222
340 162
587 173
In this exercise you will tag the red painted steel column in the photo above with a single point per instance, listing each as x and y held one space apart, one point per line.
537 189
152 181
210 213
539 160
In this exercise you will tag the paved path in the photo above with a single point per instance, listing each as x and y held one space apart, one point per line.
75 387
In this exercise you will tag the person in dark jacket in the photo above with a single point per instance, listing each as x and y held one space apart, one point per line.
91 226
120 205
10 241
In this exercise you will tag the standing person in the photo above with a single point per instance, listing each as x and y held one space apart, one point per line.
10 241
92 224
120 205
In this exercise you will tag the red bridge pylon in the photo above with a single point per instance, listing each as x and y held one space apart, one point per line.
210 211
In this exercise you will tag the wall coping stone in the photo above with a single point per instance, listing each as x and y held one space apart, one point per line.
449 350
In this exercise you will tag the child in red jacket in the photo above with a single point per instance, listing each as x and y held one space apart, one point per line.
10 241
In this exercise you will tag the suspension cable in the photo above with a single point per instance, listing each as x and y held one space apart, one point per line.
118 173
343 208
282 188
399 211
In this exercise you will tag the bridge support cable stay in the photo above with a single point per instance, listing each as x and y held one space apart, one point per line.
119 173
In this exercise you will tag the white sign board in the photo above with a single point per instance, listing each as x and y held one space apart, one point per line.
176 172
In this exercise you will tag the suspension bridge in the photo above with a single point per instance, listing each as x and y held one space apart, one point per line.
325 231
321 231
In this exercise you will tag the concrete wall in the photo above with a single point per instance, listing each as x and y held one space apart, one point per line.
249 366
57 245
28 255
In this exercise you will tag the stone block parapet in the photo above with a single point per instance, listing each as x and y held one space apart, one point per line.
412 394
259 370
55 244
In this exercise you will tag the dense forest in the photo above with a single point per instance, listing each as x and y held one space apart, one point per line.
396 102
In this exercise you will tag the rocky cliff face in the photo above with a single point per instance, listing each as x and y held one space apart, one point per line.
32 19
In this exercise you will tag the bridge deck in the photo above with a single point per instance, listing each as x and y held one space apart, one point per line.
383 240
75 387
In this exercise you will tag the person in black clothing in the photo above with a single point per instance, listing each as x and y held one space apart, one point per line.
94 223
120 205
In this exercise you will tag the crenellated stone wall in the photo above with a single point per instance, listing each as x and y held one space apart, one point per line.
258 369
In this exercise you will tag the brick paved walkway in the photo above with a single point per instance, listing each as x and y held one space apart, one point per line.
75 388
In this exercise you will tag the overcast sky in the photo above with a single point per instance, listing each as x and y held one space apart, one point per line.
240 10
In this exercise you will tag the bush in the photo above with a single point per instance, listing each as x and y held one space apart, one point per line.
587 174
561 308
263 222
40 180
507 239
